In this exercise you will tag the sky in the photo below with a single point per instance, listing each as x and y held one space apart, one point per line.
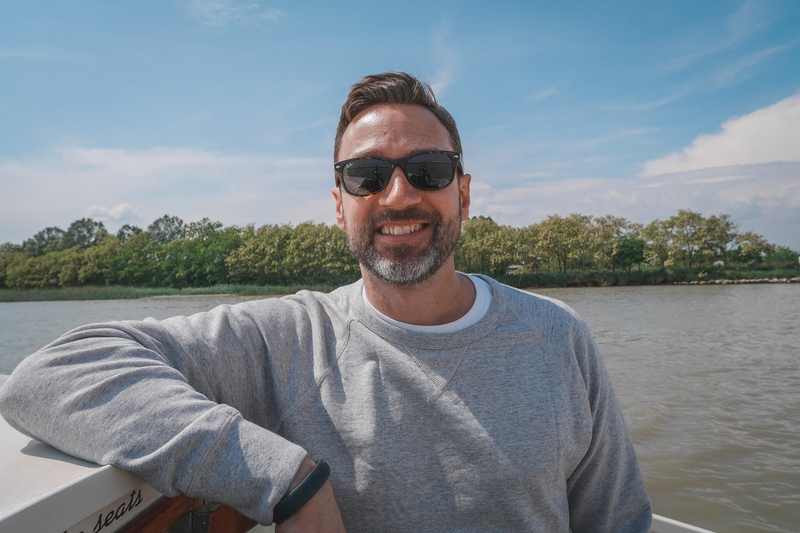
227 109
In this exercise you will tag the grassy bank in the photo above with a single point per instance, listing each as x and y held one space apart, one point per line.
123 293
534 280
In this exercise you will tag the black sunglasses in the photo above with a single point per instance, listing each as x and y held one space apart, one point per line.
429 171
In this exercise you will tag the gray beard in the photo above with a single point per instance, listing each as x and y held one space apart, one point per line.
398 266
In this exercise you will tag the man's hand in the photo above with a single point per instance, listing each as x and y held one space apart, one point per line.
319 515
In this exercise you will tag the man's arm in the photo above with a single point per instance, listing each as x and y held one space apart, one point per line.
606 491
182 403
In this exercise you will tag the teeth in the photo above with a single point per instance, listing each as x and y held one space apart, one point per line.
400 230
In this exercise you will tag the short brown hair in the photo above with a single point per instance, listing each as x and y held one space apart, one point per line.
393 88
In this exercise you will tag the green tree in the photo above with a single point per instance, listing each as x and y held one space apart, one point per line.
135 262
260 257
565 240
283 255
657 243
486 247
95 268
782 254
84 232
686 230
45 240
628 252
527 242
166 229
719 234
317 253
752 248
605 232
36 271
198 258
10 254
127 231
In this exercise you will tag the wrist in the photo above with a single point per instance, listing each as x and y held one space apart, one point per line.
305 485
303 471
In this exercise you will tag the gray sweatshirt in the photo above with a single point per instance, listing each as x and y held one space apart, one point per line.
508 425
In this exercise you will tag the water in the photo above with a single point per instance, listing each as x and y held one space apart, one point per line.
708 378
27 326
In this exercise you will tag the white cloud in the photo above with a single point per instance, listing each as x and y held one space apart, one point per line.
547 93
234 189
718 179
614 136
659 102
742 69
764 198
764 136
217 14
116 185
114 217
749 19
445 56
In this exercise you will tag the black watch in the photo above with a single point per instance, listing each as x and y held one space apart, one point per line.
302 493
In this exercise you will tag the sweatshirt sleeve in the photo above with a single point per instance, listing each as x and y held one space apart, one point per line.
183 403
606 491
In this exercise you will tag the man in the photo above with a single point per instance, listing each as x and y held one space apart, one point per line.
441 402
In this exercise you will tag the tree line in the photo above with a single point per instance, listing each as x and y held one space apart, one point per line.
171 253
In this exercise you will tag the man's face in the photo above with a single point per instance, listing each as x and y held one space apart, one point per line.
402 235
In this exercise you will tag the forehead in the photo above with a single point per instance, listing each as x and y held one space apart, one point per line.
393 130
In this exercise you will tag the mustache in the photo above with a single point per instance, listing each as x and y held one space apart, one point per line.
414 214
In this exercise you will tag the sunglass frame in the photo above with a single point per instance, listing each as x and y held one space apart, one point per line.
456 160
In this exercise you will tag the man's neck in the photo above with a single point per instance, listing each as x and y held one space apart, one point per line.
443 298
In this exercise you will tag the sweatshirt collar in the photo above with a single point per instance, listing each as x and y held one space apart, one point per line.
432 341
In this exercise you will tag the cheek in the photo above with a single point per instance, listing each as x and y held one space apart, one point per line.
352 213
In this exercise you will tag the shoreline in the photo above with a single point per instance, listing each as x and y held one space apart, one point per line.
135 293
255 291
739 281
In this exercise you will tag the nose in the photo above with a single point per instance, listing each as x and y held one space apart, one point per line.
399 194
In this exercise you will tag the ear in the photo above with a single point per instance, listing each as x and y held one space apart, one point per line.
463 193
337 195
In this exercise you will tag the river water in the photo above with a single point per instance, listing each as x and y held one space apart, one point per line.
708 378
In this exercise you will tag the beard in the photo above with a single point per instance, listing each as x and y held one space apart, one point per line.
400 265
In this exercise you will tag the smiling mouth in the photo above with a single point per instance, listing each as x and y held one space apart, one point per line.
400 230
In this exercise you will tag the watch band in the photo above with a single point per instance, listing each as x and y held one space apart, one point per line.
302 493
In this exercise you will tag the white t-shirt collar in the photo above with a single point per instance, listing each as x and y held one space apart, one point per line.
483 300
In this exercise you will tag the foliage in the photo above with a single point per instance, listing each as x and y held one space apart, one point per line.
486 247
564 240
84 233
166 229
46 240
719 236
752 248
281 255
782 255
657 243
127 231
559 251
685 231
608 234
628 252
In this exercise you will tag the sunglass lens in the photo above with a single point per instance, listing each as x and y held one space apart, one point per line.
430 171
366 176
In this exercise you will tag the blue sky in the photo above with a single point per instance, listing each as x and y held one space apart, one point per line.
227 109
